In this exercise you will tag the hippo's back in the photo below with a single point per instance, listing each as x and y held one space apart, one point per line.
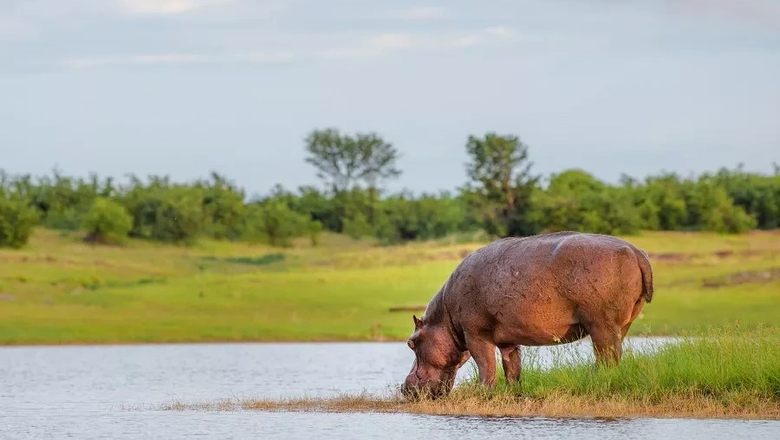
508 249
510 263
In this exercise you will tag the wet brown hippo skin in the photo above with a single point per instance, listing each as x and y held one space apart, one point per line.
541 290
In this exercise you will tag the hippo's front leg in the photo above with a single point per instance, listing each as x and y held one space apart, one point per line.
484 354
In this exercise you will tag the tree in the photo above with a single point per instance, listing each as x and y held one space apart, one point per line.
377 160
343 160
500 169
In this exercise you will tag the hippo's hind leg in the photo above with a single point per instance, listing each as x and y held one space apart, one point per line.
510 360
634 314
607 343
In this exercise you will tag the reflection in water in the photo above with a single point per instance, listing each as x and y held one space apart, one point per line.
56 392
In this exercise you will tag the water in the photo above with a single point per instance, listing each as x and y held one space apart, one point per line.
115 392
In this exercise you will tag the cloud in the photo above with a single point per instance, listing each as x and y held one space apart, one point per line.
486 36
466 41
12 29
367 46
390 41
422 13
383 44
277 57
500 31
372 46
756 12
169 58
761 12
164 7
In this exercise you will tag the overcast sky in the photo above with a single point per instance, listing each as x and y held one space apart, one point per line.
182 87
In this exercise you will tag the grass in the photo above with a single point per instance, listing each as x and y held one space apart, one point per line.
728 365
59 290
729 373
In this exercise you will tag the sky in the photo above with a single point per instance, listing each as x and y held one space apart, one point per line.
184 87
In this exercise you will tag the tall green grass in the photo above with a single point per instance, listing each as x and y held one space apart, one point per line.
727 364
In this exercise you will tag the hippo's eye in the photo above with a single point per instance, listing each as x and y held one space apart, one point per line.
410 343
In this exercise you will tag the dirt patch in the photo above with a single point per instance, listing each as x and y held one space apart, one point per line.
27 259
446 255
251 261
721 254
6 297
671 256
420 308
755 276
391 258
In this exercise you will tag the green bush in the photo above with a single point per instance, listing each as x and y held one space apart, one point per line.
69 219
725 218
17 220
107 222
357 226
315 230
168 214
273 222
179 217
224 211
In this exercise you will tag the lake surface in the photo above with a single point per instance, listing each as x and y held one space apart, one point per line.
99 392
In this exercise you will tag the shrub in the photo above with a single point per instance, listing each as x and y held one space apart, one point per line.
107 222
17 220
315 229
726 218
273 222
180 217
174 214
69 219
357 226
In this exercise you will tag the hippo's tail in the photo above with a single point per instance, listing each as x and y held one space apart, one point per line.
647 273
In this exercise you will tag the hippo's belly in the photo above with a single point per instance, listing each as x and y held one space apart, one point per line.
537 323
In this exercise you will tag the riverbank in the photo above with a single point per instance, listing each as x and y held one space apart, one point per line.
729 373
60 291
689 407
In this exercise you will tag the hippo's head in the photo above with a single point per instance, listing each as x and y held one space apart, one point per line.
437 360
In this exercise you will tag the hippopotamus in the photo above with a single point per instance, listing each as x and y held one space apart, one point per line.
544 289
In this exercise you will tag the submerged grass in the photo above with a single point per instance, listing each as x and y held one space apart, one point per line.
729 373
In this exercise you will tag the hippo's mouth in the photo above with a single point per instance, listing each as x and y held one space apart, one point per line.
431 389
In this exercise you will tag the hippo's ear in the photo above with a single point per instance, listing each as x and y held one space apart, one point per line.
417 322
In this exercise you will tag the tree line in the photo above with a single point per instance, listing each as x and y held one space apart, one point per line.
501 197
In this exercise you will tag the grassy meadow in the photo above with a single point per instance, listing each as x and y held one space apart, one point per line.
59 290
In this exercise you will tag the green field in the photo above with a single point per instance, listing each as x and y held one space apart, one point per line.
59 290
